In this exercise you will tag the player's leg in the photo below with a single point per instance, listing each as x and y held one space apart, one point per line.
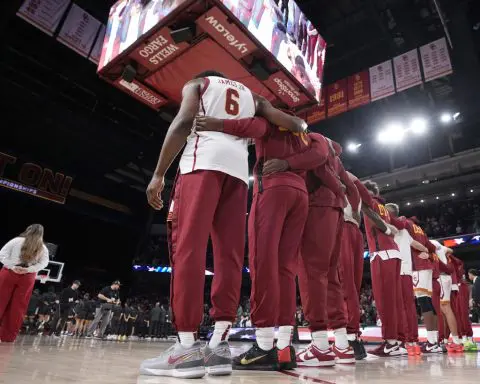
228 239
314 266
265 224
289 251
447 312
410 309
436 293
403 327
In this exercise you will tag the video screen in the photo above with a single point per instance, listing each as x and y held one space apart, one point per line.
285 31
129 20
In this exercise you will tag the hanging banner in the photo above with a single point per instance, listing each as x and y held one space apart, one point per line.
97 48
358 90
407 70
141 93
318 112
79 31
337 98
44 14
436 59
381 80
285 89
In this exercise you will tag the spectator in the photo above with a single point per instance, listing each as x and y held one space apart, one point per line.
108 297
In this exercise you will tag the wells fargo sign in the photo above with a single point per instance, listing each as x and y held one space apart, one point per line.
33 179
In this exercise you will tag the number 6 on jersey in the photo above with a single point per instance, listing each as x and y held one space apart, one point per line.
231 102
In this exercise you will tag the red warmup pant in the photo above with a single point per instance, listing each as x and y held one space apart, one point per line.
206 203
409 309
275 229
15 292
318 275
464 311
351 271
386 292
436 304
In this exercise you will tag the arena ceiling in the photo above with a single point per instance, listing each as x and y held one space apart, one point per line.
57 110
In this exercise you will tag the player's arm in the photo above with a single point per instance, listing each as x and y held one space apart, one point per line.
351 190
418 246
375 218
254 127
277 117
398 223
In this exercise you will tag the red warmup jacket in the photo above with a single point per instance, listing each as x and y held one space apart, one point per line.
273 142
417 234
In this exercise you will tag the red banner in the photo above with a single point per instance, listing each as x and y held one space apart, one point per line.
318 112
225 33
141 93
337 98
158 50
286 90
358 89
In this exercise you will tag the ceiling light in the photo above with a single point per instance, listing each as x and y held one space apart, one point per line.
425 181
408 203
437 197
388 185
419 125
456 115
446 118
422 201
471 190
353 147
453 194
392 134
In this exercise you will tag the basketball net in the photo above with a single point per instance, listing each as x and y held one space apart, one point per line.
43 278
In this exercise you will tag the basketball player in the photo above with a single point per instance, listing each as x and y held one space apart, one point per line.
277 217
423 275
445 281
209 198
405 242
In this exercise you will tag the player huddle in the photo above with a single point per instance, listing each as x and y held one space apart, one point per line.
304 222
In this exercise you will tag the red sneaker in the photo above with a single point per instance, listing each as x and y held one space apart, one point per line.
287 358
454 348
418 350
411 350
386 350
314 357
344 356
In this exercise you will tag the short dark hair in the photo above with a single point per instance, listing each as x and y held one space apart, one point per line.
472 271
372 186
393 207
209 73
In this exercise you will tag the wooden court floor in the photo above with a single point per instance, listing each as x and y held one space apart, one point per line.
70 361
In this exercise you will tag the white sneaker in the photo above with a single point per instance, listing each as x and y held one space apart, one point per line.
177 361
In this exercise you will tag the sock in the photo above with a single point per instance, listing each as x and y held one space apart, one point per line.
436 337
456 339
187 339
265 338
220 333
470 338
464 339
320 340
341 341
351 336
284 336
392 341
445 341
431 337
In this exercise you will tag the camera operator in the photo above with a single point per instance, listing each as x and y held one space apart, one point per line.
68 298
109 297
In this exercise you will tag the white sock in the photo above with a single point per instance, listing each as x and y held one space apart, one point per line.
220 333
464 339
265 338
436 337
320 340
445 341
392 341
351 336
341 341
187 339
456 339
431 337
284 336
470 338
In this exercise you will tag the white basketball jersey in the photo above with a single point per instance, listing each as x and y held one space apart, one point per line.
441 251
404 241
217 151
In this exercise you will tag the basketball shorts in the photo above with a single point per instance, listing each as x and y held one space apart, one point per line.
422 283
445 288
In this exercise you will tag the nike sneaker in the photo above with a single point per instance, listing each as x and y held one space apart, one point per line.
358 349
314 357
287 358
218 361
431 348
344 356
177 361
256 359
454 348
402 348
470 346
386 350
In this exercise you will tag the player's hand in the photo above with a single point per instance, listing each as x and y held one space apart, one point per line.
274 166
20 270
206 123
154 192
393 229
424 256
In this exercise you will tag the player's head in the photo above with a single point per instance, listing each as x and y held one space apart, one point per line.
210 73
372 187
393 209
472 273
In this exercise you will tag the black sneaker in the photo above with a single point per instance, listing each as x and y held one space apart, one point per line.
358 349
256 359
287 358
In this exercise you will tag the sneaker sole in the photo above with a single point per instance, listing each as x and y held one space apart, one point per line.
288 366
191 373
255 367
345 361
219 370
315 364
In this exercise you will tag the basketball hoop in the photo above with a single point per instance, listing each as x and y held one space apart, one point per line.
43 279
